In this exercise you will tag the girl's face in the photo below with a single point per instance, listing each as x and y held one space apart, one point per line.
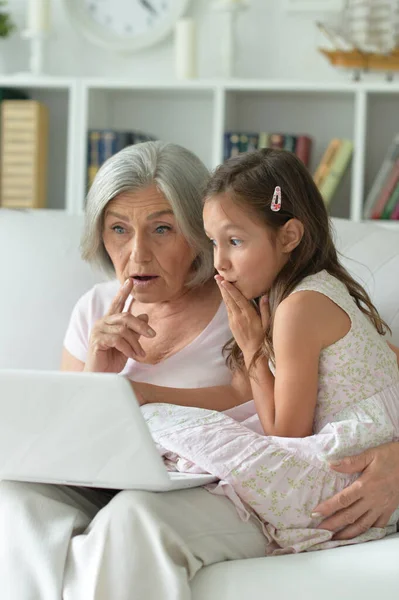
246 252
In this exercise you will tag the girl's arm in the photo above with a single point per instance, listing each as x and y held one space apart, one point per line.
217 398
286 403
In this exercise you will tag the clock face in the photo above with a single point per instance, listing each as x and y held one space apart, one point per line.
126 24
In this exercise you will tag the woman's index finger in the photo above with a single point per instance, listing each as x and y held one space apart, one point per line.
118 303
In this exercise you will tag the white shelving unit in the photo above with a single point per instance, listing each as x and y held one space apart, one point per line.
197 113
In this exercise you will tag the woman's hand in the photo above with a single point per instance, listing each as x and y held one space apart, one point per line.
370 500
115 337
247 326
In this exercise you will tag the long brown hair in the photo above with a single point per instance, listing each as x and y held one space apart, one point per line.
250 180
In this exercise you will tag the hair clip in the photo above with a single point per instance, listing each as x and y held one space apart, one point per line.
276 200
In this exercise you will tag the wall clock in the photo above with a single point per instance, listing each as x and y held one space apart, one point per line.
125 25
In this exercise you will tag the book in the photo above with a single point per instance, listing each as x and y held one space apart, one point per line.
326 161
391 204
390 157
253 141
243 143
23 154
276 140
386 191
104 143
263 140
395 213
290 142
338 167
93 155
303 148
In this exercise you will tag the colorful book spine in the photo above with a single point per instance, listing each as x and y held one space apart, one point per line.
276 140
395 213
391 156
23 154
290 142
263 141
391 204
386 191
93 158
253 142
338 168
303 148
326 161
243 143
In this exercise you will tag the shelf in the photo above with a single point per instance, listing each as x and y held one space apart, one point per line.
321 115
196 113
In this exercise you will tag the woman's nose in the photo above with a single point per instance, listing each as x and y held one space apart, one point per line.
140 251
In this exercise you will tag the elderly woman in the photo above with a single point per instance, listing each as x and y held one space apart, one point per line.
163 326
166 324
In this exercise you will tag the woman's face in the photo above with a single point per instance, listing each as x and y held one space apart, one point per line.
144 243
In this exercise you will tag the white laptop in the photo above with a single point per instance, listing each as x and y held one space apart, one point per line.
82 429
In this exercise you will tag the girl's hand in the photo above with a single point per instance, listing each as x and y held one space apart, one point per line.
115 337
247 326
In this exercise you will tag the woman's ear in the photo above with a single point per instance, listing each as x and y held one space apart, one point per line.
291 235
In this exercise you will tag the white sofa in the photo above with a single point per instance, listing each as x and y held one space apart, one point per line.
42 276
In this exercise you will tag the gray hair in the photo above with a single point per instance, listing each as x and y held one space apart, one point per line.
177 173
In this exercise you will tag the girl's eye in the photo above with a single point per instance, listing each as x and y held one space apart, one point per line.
162 229
118 229
235 242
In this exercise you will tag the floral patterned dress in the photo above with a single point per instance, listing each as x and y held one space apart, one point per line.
281 480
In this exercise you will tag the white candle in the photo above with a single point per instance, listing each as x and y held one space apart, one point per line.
38 16
185 49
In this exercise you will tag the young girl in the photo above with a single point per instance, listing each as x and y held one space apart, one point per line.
325 382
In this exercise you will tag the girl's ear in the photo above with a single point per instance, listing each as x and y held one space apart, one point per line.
291 235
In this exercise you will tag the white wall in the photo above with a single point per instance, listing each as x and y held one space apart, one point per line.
272 44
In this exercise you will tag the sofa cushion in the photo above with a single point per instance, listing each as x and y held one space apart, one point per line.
370 252
361 572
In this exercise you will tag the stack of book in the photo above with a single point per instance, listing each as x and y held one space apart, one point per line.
332 167
104 143
237 142
23 154
383 199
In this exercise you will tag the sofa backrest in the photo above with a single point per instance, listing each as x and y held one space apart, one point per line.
42 276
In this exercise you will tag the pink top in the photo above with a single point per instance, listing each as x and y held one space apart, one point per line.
199 364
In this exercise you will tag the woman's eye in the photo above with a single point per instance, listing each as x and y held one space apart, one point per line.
235 242
118 229
163 229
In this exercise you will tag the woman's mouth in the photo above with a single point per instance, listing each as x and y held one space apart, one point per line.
143 280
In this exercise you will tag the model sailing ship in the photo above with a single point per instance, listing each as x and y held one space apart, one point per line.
367 38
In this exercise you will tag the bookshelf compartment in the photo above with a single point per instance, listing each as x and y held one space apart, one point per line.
184 117
322 115
56 99
382 126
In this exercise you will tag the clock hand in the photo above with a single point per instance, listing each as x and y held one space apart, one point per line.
148 6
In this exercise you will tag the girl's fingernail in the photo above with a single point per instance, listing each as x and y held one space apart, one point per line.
334 463
265 299
316 515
